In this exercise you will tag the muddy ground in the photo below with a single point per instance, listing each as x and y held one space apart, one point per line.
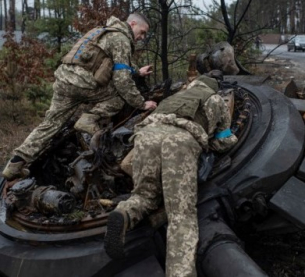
281 72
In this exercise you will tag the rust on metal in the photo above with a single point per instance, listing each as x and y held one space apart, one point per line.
61 225
192 71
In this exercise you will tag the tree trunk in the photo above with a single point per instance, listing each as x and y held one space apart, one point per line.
164 30
12 16
24 15
1 16
44 8
292 16
231 31
37 9
5 15
300 16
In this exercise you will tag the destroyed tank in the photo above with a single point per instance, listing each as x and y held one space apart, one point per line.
53 223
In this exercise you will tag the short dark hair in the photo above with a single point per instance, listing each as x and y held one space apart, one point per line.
138 17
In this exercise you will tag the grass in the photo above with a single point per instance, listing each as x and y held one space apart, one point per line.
12 134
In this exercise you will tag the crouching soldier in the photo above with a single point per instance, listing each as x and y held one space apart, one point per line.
167 145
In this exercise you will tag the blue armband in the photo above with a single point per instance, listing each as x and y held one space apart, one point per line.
223 134
120 66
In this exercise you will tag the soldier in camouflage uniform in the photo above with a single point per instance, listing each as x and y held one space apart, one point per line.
167 146
97 70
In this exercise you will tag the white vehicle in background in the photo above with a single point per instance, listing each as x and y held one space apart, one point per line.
296 43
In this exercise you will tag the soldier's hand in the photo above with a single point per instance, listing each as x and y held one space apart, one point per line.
150 105
145 70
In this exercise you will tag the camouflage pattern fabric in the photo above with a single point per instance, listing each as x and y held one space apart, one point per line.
217 116
170 154
119 46
219 119
75 85
166 153
66 99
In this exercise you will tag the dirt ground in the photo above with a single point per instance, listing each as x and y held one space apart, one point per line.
281 72
12 134
279 255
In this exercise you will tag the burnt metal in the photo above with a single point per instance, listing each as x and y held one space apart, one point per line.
192 71
23 187
299 104
301 171
219 250
289 201
25 196
270 150
242 69
19 196
150 265
274 154
14 234
64 224
48 200
76 183
227 258
291 89
120 142
247 79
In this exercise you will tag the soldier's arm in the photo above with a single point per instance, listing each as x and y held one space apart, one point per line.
120 51
143 71
219 122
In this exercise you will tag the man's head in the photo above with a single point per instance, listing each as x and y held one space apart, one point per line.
139 25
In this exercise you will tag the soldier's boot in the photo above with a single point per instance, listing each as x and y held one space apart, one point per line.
118 223
14 170
87 123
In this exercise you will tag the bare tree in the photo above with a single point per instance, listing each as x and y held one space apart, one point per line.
12 16
172 28
1 15
24 15
5 15
165 10
302 16
37 9
292 16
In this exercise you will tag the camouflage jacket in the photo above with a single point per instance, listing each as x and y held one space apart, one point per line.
214 133
119 46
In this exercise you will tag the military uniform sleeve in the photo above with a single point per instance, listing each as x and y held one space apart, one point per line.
120 50
219 122
135 67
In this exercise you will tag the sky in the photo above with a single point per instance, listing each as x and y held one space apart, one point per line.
202 3
199 3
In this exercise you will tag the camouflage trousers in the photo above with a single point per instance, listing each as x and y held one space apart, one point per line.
66 99
165 167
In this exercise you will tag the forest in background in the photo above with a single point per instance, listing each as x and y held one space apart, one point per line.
178 29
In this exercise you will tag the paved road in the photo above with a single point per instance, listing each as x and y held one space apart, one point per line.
281 52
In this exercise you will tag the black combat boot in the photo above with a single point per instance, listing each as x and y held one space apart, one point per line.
118 223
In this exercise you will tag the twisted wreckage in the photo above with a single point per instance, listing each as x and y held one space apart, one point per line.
53 222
